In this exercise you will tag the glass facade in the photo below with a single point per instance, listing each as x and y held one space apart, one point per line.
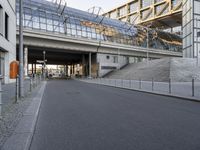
191 28
48 17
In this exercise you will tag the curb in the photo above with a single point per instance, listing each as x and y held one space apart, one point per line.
153 92
22 136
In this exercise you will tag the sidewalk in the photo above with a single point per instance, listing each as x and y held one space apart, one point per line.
175 89
8 94
12 119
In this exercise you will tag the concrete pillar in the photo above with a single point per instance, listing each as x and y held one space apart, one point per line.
32 68
67 70
35 69
90 65
83 65
64 70
26 61
71 71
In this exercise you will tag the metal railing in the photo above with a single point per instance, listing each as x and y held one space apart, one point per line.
0 97
182 89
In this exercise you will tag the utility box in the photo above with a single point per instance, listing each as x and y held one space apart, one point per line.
14 69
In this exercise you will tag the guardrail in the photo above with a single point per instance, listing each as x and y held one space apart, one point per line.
184 89
0 97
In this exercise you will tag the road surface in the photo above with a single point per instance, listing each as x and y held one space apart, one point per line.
79 116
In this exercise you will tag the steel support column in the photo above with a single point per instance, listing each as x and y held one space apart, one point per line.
90 65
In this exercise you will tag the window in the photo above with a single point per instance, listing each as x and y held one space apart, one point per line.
1 20
6 25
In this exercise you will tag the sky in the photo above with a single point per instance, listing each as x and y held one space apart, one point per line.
106 5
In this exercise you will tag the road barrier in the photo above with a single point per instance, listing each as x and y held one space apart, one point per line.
187 89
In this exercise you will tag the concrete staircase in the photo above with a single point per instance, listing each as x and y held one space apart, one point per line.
178 69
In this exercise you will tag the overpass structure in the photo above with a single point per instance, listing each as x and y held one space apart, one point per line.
163 14
94 43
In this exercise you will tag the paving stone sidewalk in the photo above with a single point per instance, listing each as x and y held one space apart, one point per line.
13 112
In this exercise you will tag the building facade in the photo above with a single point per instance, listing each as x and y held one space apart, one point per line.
99 44
7 37
191 28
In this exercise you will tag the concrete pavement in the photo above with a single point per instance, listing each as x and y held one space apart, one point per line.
80 116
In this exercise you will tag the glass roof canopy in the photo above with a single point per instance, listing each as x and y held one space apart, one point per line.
52 17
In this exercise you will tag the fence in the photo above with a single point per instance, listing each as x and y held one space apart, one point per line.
10 92
183 89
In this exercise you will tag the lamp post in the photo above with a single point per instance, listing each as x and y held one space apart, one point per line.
44 65
21 55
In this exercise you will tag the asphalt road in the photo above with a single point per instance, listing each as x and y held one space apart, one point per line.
80 116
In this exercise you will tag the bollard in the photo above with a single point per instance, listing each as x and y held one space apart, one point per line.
40 80
170 86
31 84
35 80
34 84
140 83
17 89
1 97
152 87
132 84
193 87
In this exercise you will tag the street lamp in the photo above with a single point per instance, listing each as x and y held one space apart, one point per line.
21 55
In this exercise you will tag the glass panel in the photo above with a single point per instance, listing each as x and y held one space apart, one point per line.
134 6
122 11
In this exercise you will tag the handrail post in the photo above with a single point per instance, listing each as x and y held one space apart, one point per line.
152 84
31 82
193 87
17 89
170 86
140 83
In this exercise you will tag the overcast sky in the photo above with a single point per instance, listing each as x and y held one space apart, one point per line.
86 4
